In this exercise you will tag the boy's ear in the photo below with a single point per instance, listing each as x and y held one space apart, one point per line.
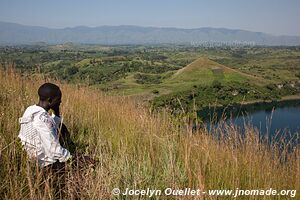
49 100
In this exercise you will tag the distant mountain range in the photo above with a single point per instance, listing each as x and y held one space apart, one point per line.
14 34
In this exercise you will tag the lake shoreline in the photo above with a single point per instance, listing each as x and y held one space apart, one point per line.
283 99
247 106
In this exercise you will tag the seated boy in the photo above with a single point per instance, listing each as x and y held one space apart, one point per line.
39 131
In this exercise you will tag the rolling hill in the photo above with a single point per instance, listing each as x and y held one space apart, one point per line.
200 72
205 71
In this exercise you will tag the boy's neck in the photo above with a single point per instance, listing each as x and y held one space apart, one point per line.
44 105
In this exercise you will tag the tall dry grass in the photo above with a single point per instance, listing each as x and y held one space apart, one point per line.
136 149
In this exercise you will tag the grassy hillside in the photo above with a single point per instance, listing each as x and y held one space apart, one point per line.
202 71
203 68
136 149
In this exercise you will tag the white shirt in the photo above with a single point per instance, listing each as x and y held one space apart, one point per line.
39 136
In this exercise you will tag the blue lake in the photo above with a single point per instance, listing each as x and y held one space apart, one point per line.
271 119
270 122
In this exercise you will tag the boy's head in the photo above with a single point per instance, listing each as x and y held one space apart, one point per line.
51 93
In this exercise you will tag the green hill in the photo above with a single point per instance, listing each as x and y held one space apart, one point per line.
205 71
201 72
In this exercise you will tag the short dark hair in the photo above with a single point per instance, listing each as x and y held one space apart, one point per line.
48 90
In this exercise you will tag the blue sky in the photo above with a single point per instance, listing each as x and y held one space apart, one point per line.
277 17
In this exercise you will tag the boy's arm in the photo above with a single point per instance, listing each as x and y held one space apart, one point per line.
64 135
57 120
47 130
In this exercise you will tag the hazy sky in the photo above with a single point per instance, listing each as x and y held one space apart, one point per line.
271 16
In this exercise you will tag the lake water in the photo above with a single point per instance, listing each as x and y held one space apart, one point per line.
280 119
